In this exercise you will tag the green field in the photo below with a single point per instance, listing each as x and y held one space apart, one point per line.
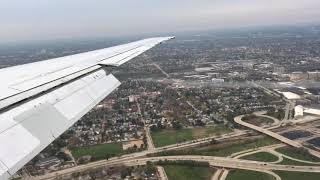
287 161
167 137
179 172
298 154
248 175
258 121
97 152
235 147
221 149
285 175
261 156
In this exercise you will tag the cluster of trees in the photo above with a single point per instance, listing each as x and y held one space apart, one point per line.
149 169
248 117
126 172
135 148
277 113
184 151
175 153
183 162
158 127
230 115
95 173
54 149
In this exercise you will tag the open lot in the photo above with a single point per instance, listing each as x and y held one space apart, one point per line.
97 152
224 149
285 175
259 121
298 154
248 175
179 172
261 156
287 161
167 137
235 147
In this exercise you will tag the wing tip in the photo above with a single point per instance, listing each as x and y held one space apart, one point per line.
170 37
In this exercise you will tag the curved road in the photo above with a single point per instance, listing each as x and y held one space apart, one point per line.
213 161
228 163
285 140
222 162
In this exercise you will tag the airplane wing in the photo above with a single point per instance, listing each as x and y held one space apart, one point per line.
39 101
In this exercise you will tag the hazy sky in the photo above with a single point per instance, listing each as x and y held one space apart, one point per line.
57 19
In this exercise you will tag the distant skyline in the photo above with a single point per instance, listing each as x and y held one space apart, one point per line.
59 19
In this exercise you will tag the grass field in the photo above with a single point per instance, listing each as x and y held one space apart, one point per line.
285 175
222 150
298 154
261 156
258 121
100 151
235 147
287 161
248 175
167 137
179 172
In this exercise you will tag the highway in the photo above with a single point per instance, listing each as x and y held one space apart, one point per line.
224 162
127 157
262 114
131 158
223 173
285 140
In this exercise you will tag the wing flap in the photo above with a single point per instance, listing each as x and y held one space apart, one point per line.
3 171
39 101
35 124
16 144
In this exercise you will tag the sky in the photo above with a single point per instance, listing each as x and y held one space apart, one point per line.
25 20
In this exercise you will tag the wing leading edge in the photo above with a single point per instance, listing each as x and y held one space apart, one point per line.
39 101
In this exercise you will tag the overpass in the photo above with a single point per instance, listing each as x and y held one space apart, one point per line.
223 162
285 140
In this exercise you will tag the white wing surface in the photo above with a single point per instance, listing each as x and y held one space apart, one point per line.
39 101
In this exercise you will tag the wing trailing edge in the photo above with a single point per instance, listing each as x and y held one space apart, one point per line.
41 100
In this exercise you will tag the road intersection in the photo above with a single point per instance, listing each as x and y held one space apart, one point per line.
222 163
